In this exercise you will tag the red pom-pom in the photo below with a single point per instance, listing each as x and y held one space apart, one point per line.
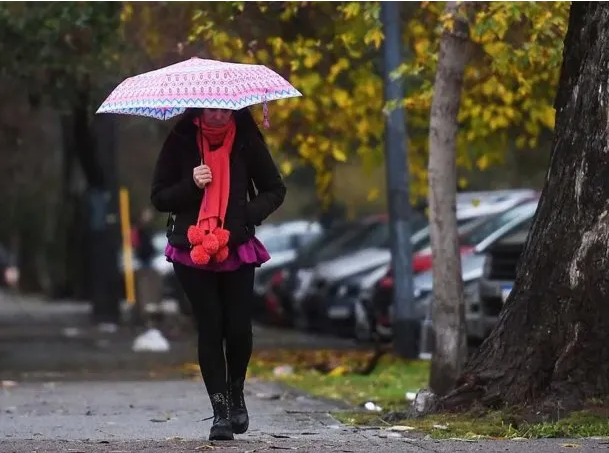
195 235
222 254
199 255
222 236
210 243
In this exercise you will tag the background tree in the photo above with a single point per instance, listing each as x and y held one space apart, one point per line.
448 316
57 57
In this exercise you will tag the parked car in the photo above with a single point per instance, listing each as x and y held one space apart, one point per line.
477 240
287 280
499 274
474 208
341 309
511 240
282 241
359 255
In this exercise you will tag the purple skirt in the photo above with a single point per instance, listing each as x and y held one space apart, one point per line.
251 252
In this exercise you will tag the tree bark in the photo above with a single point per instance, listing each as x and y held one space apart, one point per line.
448 308
549 347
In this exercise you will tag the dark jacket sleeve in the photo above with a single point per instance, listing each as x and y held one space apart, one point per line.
171 191
268 182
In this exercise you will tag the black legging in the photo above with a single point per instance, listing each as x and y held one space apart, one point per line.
222 305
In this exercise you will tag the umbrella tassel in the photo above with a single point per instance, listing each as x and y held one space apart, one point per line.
265 111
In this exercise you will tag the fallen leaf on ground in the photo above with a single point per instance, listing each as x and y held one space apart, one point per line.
283 370
280 436
160 420
444 427
339 371
268 396
205 447
401 428
570 445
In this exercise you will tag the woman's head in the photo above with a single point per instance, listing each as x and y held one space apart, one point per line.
217 117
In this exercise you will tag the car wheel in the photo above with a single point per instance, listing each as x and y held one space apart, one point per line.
362 326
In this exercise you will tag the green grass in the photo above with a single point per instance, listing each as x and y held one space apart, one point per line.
491 425
386 386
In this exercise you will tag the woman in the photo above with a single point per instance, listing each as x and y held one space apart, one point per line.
205 177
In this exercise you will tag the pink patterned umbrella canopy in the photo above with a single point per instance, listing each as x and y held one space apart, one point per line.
197 83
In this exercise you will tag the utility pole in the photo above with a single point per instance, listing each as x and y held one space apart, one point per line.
405 326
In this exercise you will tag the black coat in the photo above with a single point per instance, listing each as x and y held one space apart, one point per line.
174 191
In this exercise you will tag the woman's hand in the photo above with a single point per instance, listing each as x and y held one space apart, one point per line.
201 176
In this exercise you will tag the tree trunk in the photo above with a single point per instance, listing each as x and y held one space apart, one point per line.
550 345
448 309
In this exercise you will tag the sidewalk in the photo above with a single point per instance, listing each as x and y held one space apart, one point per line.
91 393
168 416
40 340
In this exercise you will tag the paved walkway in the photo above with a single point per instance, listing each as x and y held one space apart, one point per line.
169 416
90 393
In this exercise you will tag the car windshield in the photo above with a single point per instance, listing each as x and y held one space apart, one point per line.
421 239
492 224
518 235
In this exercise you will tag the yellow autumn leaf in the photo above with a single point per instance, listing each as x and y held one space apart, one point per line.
374 35
339 371
373 194
339 155
341 97
286 167
483 162
351 10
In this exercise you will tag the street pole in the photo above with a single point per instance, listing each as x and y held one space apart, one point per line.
405 326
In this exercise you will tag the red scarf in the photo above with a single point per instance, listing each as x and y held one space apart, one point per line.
208 237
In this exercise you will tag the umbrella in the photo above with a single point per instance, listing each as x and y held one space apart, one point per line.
197 83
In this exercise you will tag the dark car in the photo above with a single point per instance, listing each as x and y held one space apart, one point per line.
341 308
475 241
364 254
499 274
287 283
500 261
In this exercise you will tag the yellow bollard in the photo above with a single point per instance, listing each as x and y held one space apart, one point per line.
127 248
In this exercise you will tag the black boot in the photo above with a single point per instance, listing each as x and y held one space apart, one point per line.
238 412
221 428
